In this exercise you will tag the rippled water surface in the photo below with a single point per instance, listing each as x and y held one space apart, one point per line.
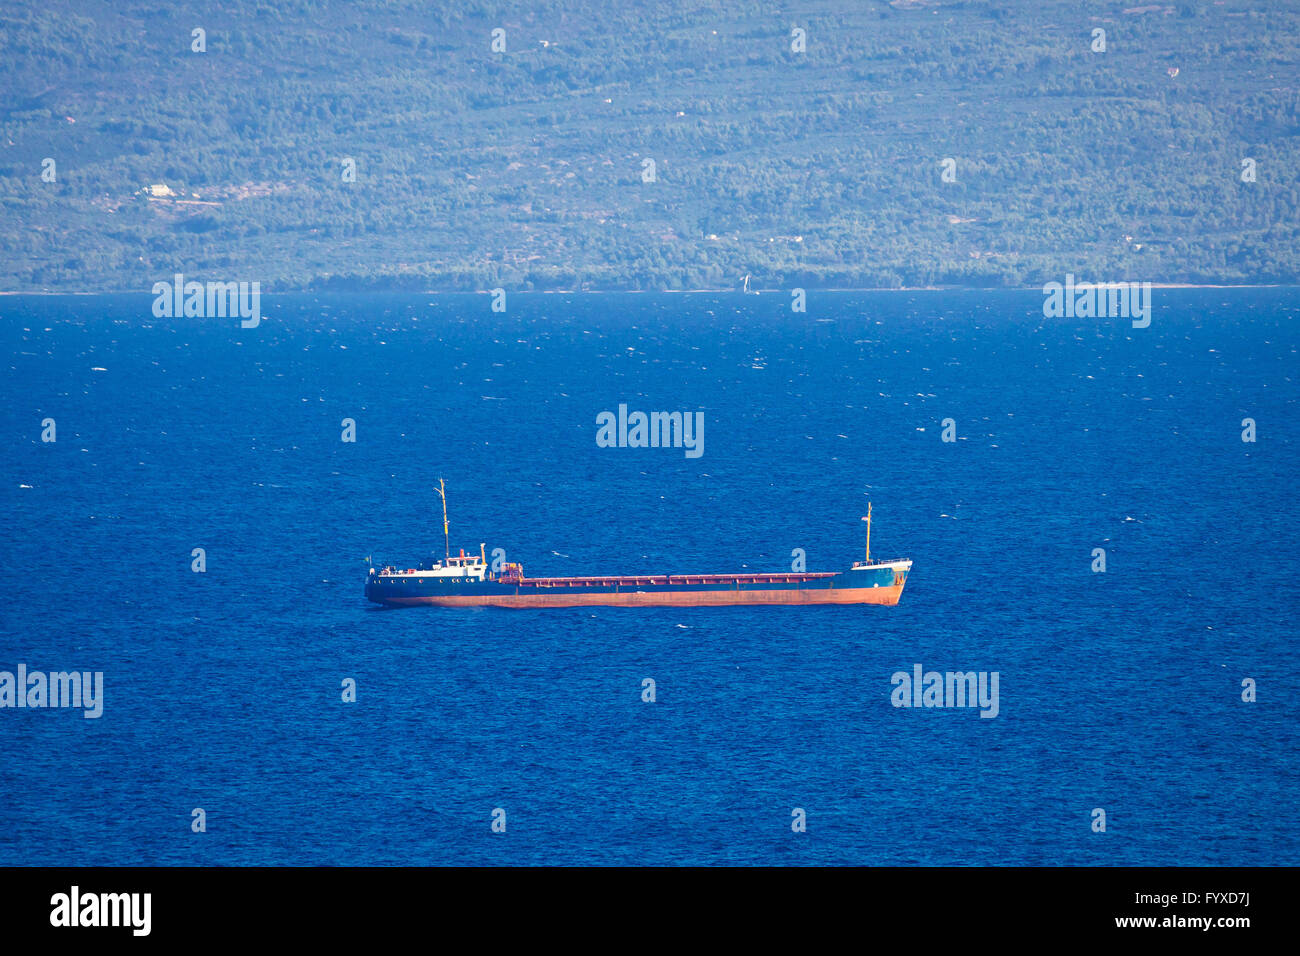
1119 690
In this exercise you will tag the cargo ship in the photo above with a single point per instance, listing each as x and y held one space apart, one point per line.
466 581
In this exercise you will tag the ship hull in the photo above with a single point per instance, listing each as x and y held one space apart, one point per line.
887 596
878 584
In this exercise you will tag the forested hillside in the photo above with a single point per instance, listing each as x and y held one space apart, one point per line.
527 168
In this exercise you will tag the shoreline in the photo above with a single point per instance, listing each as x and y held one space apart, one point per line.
807 289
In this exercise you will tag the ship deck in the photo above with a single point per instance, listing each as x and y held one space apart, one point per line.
674 580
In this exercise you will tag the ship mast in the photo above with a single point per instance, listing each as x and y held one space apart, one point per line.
446 533
867 519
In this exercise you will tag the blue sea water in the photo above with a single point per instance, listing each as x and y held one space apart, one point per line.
222 690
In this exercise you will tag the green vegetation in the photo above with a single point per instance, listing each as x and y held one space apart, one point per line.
523 169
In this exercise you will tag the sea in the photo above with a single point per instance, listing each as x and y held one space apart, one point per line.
1103 516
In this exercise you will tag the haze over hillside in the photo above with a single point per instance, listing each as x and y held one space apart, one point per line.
672 145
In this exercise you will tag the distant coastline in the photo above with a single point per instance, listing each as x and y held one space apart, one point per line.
932 288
